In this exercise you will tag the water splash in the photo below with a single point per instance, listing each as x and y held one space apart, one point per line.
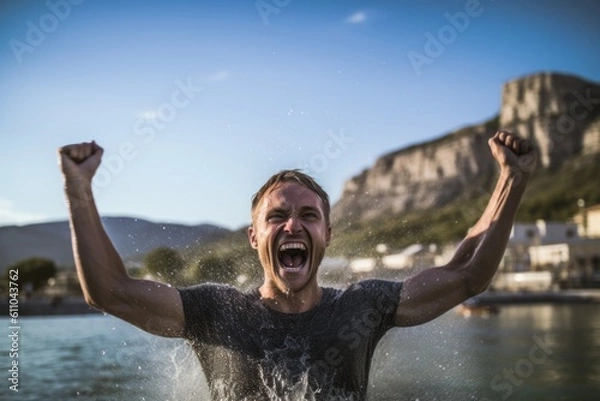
284 374
187 379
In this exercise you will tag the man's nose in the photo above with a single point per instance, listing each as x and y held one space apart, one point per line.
292 225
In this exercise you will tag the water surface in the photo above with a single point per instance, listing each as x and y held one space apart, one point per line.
541 352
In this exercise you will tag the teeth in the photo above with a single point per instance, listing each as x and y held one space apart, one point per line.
293 245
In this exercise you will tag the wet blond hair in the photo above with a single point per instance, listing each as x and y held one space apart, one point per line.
292 176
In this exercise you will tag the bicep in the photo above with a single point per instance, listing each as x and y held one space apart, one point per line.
152 306
429 293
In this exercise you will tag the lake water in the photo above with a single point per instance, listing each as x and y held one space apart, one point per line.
540 352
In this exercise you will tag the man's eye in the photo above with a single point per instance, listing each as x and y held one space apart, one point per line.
311 215
275 217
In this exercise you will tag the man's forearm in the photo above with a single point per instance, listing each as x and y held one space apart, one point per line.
98 264
480 253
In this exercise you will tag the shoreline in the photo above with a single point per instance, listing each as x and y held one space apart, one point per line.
571 296
52 307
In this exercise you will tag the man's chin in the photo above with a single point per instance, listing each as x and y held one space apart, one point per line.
294 279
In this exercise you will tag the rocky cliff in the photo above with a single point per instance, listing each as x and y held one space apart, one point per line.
559 113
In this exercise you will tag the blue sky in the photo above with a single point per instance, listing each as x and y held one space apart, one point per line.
197 103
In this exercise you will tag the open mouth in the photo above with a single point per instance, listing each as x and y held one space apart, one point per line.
292 256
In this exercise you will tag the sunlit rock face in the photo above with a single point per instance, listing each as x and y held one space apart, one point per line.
559 113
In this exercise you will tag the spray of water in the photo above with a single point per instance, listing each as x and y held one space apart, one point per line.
285 374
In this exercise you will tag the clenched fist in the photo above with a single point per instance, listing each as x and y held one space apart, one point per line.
79 162
513 152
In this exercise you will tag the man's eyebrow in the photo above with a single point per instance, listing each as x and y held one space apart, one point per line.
278 209
310 208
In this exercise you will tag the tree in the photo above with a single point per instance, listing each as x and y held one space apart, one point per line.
216 269
238 267
165 263
33 271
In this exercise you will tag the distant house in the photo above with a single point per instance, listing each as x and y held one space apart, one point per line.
334 270
394 265
574 263
546 254
588 221
413 256
363 265
523 236
64 284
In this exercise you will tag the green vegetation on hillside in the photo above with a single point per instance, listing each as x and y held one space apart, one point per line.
553 194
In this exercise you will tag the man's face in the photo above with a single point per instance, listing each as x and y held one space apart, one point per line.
290 233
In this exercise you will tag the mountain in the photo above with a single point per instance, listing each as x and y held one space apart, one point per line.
132 237
559 113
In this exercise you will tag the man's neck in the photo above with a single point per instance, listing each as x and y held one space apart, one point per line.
292 301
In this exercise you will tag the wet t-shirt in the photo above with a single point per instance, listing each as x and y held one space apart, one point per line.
250 352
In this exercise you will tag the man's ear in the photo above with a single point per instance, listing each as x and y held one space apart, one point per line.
328 236
252 237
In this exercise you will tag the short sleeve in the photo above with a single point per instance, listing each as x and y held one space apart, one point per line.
202 306
381 298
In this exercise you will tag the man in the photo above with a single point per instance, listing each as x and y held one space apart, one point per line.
289 339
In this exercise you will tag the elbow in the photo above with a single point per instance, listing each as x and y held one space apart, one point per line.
97 300
102 297
475 284
92 302
476 289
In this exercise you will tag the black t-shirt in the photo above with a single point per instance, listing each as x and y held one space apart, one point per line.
250 352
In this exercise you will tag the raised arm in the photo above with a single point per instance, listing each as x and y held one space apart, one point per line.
152 306
434 291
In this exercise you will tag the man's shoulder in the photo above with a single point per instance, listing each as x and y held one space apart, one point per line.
374 286
214 291
367 289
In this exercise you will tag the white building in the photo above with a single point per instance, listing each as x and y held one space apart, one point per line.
542 250
573 264
588 221
413 256
334 270
523 236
